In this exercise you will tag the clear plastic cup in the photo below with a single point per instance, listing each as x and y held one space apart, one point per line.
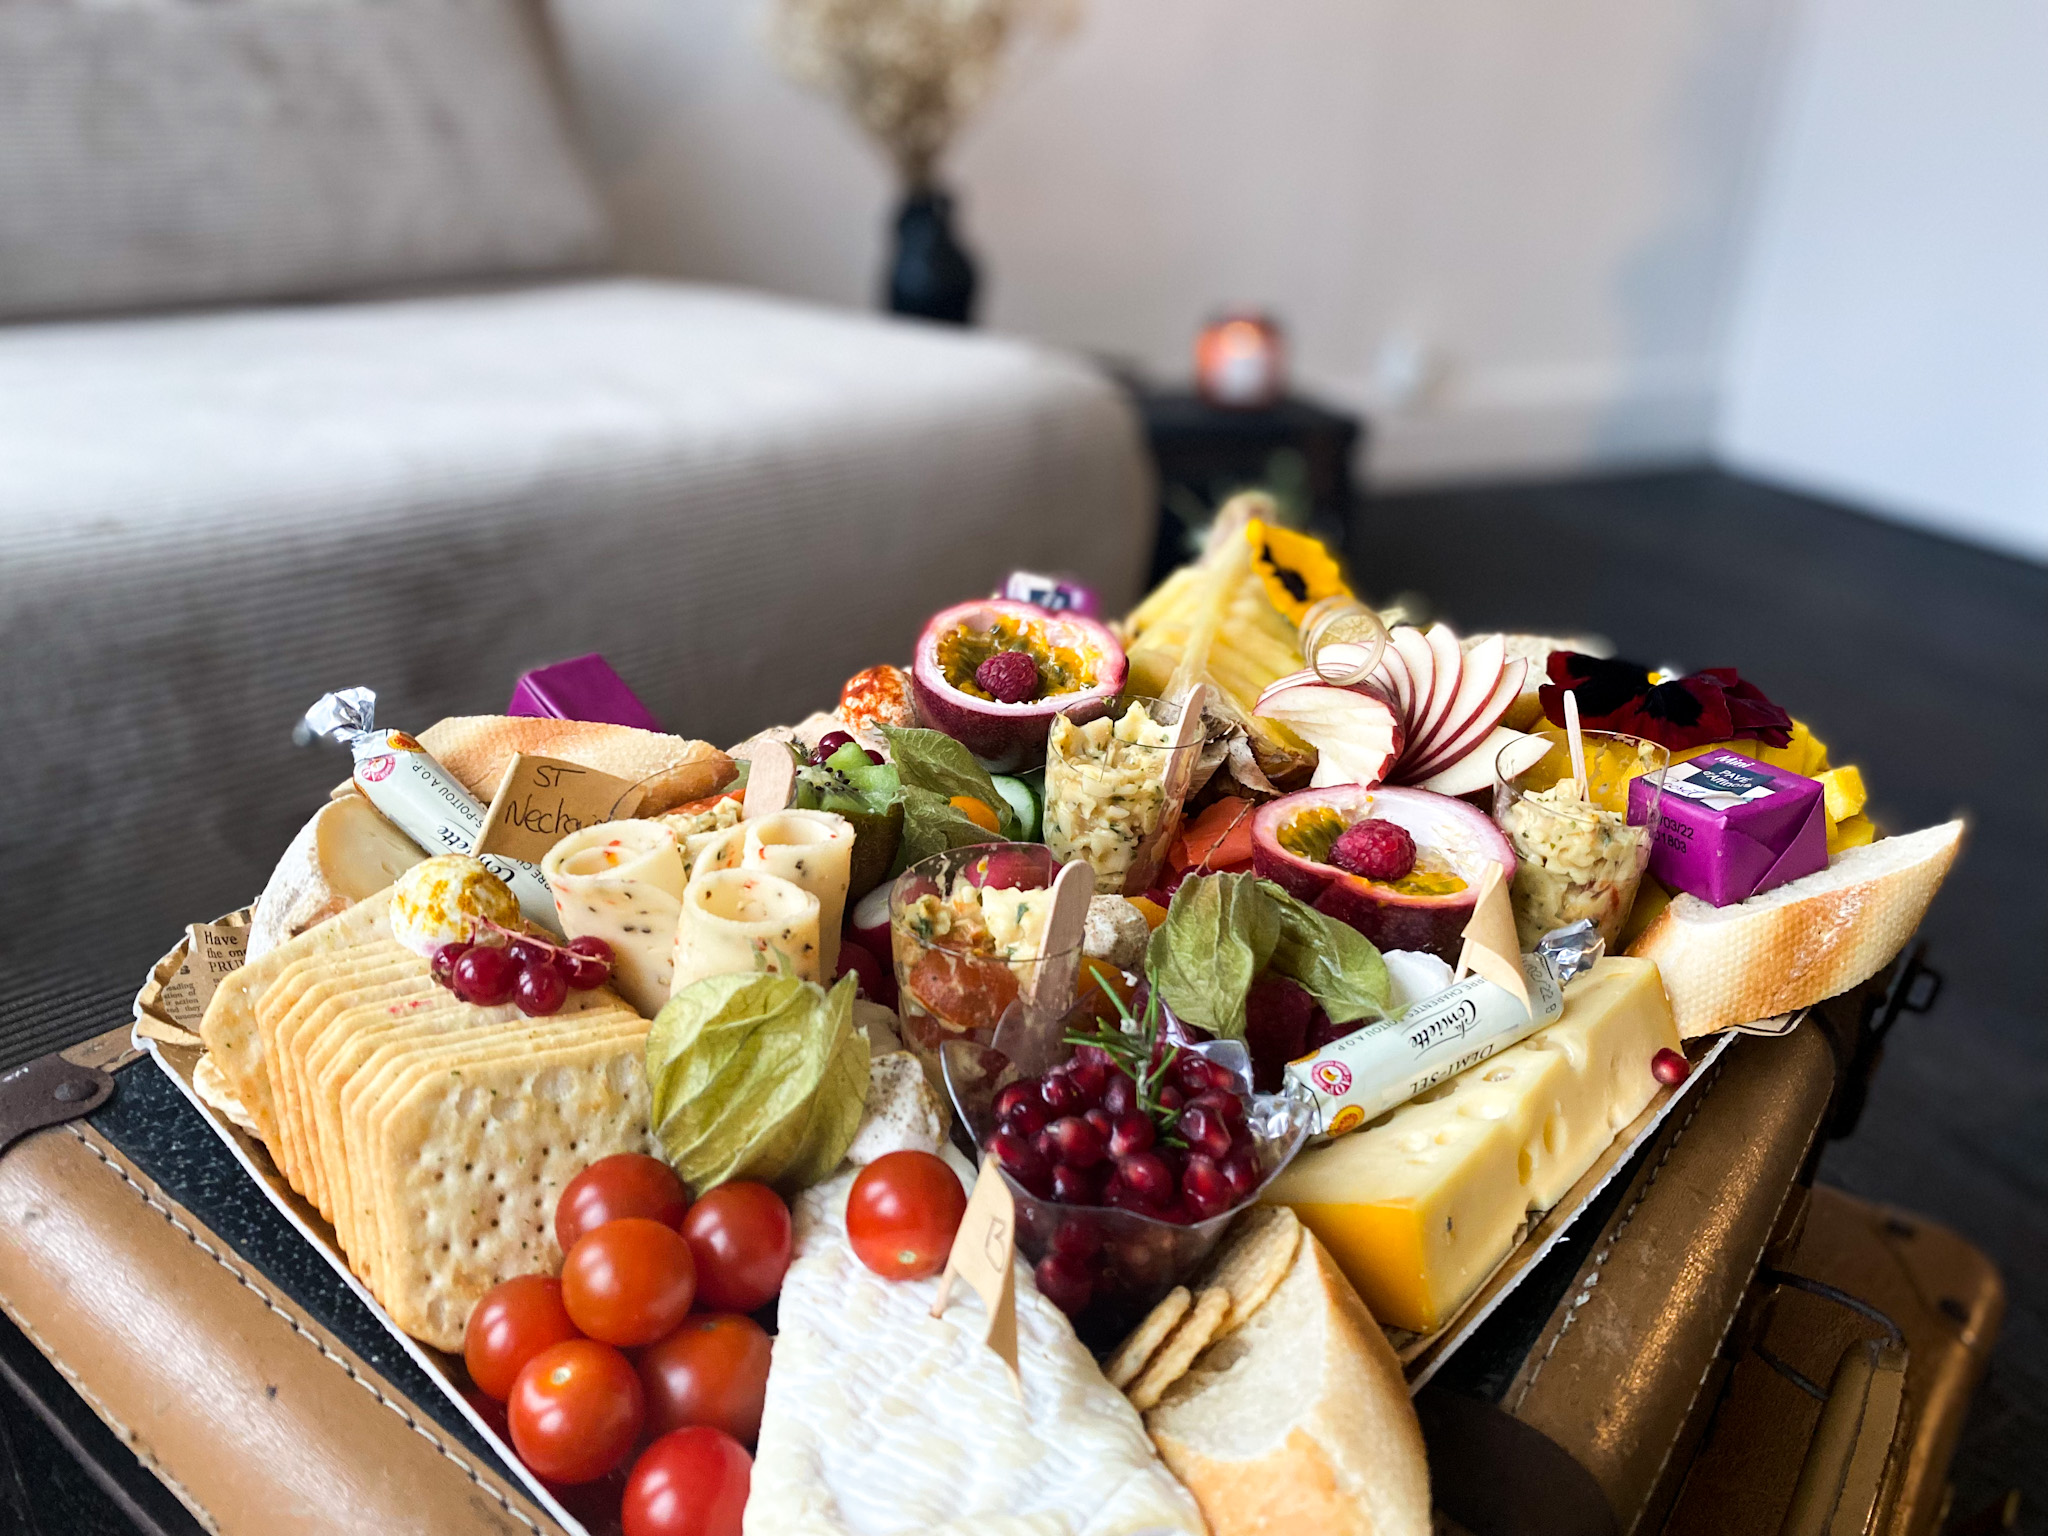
952 987
1119 807
1580 849
1131 1260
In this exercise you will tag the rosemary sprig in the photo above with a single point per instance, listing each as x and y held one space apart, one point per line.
1131 1048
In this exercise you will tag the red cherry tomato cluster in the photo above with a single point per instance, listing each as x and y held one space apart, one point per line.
534 973
610 1368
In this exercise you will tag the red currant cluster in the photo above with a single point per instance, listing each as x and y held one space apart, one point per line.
537 974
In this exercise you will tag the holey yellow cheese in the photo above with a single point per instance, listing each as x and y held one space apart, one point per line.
1420 1205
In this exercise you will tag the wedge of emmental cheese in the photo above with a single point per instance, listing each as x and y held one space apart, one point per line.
1420 1206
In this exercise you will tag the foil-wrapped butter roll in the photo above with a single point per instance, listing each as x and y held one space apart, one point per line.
417 795
1365 1074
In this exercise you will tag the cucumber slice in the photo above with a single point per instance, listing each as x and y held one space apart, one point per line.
1023 807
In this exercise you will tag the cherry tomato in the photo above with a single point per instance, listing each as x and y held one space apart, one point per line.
902 1214
514 1322
690 1482
739 1235
629 1282
712 1370
576 1411
627 1184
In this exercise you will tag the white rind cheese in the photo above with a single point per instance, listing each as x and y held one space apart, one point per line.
882 1420
347 852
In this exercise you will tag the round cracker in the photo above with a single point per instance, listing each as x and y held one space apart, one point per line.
1190 1338
1131 1355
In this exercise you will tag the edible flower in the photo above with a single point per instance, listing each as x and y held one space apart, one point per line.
1296 570
1679 713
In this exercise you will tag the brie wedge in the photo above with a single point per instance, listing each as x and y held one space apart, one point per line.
882 1420
347 852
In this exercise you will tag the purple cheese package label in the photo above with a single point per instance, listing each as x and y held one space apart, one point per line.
1052 593
1730 827
581 688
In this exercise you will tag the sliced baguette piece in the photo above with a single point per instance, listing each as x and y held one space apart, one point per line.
478 749
1801 943
1299 1420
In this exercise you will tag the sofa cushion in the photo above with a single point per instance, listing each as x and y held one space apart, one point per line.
182 151
210 519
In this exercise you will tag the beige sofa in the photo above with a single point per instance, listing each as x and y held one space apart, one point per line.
313 373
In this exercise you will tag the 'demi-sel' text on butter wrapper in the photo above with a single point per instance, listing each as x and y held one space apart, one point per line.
421 798
1371 1070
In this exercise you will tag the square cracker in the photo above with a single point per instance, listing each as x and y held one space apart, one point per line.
367 1050
1190 1337
469 1165
449 1055
318 998
230 1029
279 998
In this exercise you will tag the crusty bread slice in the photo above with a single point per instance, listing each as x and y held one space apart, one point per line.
478 749
1805 941
1299 1420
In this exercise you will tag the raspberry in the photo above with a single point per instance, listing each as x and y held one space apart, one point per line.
1009 676
1376 850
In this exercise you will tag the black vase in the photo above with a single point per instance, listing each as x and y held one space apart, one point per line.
931 275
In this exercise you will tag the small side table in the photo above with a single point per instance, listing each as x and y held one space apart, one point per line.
1299 449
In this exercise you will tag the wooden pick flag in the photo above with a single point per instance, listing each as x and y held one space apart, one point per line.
1491 948
984 1252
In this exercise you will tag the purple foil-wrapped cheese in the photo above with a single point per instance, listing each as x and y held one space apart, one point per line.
1052 593
581 688
1729 827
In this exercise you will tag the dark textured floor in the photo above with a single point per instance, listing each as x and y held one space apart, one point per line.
1926 663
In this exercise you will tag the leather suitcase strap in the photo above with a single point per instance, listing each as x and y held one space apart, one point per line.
256 1415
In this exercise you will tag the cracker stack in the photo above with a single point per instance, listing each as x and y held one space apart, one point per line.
433 1134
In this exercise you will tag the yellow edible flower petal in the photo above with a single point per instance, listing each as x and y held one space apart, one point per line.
1295 569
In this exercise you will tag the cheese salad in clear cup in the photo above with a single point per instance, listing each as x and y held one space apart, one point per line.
1113 792
1577 853
967 934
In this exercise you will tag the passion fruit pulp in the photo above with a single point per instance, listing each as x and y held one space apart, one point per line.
1080 665
1426 909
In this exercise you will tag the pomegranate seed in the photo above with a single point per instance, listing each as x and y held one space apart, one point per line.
1062 1095
1132 1133
1191 1072
1119 1095
1203 1179
1226 1106
1091 1077
1241 1173
1075 1142
1074 1186
1204 1132
1016 1153
1100 1119
1094 1053
1171 1098
1077 1237
1065 1282
1146 1177
1670 1066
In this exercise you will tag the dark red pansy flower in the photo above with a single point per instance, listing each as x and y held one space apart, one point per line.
1685 712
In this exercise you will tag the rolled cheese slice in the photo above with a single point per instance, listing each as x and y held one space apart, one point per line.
623 882
811 849
735 920
718 850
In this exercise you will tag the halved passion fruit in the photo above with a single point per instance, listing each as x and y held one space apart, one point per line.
1427 908
1079 667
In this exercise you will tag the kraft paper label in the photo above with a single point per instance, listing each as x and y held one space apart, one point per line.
543 800
213 952
984 1253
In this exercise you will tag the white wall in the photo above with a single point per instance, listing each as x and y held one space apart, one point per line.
1543 202
1892 346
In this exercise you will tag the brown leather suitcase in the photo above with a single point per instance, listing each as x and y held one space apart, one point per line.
1628 1386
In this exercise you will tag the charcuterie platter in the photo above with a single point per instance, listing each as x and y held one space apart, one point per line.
1084 1080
